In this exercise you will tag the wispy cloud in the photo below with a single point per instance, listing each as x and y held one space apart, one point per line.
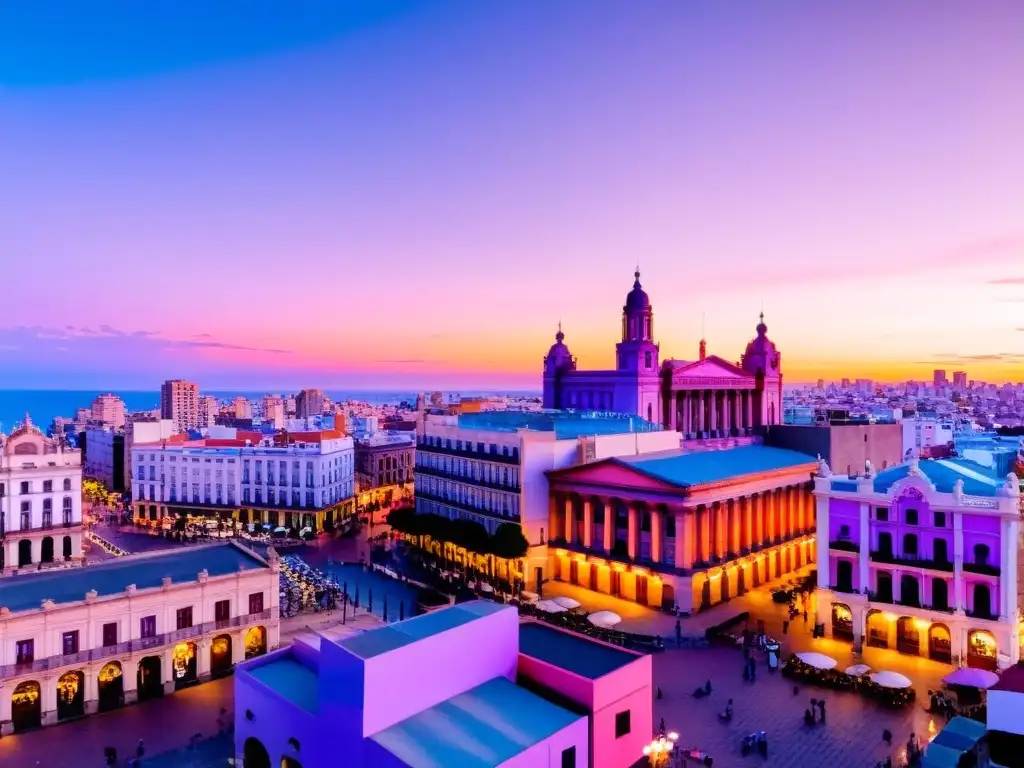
1006 357
1007 281
408 362
105 339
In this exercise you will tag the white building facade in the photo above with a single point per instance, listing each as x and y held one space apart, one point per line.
295 484
40 500
924 558
101 637
100 442
489 466
923 432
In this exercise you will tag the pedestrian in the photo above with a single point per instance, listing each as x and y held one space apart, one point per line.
661 727
785 627
821 707
679 634
140 749
805 617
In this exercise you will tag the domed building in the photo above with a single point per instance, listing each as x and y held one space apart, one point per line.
40 500
708 398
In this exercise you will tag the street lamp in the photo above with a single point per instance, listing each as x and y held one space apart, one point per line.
659 751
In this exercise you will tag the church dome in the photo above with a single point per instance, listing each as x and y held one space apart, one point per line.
761 344
559 353
637 298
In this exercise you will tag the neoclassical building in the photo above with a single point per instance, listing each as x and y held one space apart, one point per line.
688 529
706 398
40 501
923 557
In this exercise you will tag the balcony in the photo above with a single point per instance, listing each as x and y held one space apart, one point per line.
129 647
983 568
466 507
911 561
468 454
434 472
844 545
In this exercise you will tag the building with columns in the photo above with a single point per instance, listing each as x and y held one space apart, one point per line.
923 557
682 529
96 638
706 399
489 466
40 501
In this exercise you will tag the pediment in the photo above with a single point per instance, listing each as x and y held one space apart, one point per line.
712 367
611 473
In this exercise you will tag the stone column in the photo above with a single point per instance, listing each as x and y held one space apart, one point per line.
735 526
609 525
203 659
633 532
656 535
570 522
552 517
713 412
727 411
684 541
700 411
737 409
764 502
864 556
588 523
748 523
130 675
1011 565
684 412
748 416
721 530
789 497
958 561
673 411
821 512
703 534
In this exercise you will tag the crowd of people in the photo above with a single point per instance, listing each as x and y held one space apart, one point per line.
304 588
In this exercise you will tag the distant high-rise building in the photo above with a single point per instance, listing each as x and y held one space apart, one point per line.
844 384
309 402
273 411
960 379
209 410
821 383
179 402
108 410
939 377
241 409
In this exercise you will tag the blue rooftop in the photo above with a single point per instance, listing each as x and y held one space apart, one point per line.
366 645
22 593
943 473
565 424
574 653
481 728
705 467
291 679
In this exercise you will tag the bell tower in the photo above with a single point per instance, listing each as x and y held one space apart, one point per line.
637 352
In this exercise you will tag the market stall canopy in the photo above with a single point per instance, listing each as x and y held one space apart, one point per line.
567 602
969 677
891 680
604 619
960 735
549 606
857 670
817 660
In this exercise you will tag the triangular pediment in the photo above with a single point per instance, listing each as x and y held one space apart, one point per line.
611 472
711 367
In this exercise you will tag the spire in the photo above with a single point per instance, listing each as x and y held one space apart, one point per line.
762 329
559 336
28 420
636 276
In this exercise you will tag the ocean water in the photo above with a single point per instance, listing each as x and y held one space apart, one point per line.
43 405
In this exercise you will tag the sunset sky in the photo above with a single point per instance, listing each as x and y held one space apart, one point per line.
414 194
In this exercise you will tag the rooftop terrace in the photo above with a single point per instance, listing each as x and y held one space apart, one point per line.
366 645
577 654
482 728
706 467
23 593
566 424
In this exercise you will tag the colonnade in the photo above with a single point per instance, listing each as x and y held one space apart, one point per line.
717 412
683 534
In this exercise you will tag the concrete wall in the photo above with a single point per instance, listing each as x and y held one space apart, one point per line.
842 445
548 753
628 688
1006 712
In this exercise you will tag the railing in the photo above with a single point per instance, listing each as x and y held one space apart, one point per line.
497 486
134 646
469 454
844 545
888 558
466 507
982 568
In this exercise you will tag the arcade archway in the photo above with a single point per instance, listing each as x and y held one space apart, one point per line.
149 682
110 686
255 642
26 707
70 696
220 656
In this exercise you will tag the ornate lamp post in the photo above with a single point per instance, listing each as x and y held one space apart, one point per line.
659 751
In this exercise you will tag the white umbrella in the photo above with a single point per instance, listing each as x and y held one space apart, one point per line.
858 669
604 619
817 660
485 587
891 680
549 606
567 602
970 677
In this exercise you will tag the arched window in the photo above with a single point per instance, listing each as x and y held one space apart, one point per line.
982 601
941 551
940 595
67 483
981 553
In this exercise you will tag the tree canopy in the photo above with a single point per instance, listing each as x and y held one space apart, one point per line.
508 542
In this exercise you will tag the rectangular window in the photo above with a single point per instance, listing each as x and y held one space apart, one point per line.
940 519
110 634
47 486
911 516
69 643
222 611
569 757
24 651
25 487
184 618
256 602
881 513
622 724
147 626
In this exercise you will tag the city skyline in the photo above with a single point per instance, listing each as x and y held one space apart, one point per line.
405 194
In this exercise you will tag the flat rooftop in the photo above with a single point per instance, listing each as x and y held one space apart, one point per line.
566 424
366 645
707 467
482 728
112 577
291 679
573 653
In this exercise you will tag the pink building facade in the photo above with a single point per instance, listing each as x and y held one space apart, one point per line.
705 399
452 687
923 558
686 529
